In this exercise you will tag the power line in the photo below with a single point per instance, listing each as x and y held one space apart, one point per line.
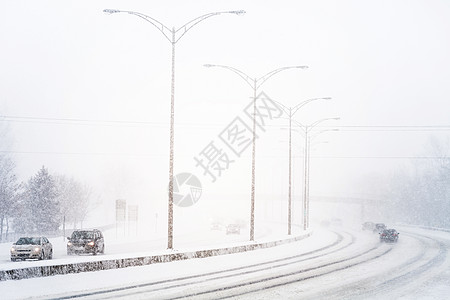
365 157
381 157
82 153
378 127
156 155
392 127
104 122
76 121
99 122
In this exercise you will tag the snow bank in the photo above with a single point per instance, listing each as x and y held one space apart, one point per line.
43 271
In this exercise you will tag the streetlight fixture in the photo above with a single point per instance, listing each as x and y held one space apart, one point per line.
291 111
307 129
255 83
173 36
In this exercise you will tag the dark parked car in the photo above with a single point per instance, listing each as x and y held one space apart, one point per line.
379 227
86 241
31 248
389 235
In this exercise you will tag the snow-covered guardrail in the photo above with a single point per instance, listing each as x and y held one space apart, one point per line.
42 271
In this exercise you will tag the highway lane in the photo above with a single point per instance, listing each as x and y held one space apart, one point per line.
336 263
406 269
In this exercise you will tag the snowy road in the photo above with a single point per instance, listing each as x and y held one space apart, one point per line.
335 263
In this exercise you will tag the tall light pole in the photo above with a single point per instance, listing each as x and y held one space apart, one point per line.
255 83
290 112
307 129
173 36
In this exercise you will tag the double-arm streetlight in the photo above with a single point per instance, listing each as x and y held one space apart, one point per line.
173 36
255 83
307 129
290 112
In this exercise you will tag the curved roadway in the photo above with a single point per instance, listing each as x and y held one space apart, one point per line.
333 264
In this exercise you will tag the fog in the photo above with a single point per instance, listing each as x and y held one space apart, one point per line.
87 94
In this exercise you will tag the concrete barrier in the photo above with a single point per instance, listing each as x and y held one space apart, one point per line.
43 271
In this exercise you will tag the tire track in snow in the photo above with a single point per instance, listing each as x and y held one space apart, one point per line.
217 275
278 281
411 276
397 280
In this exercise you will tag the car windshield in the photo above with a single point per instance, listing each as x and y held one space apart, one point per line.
77 235
389 231
28 241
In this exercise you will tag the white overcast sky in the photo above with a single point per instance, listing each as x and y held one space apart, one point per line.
384 63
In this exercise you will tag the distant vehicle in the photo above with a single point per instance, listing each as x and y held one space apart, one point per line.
31 248
379 227
389 235
233 228
368 226
86 241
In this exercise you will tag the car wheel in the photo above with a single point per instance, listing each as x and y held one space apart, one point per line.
95 251
42 256
103 249
50 255
13 259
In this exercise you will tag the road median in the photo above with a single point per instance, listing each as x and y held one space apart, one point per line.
109 264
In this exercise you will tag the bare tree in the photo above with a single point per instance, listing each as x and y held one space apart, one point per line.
9 188
421 195
74 198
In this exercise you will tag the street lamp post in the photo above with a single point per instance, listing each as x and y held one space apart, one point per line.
173 36
307 129
255 84
291 111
